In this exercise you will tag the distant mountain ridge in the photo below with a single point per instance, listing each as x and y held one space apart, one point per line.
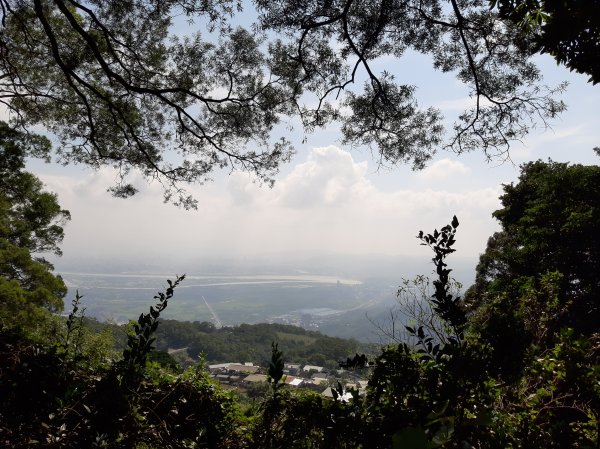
252 343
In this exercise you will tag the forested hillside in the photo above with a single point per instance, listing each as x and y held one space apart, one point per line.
252 342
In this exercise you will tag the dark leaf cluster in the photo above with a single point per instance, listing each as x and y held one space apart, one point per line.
140 341
568 31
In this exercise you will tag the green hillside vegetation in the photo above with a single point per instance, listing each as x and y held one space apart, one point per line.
252 342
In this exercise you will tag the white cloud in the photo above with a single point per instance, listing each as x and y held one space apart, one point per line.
443 169
243 189
329 177
325 204
462 104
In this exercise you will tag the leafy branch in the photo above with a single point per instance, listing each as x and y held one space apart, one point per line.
447 306
139 342
74 326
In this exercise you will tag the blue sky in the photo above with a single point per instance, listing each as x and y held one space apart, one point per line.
329 199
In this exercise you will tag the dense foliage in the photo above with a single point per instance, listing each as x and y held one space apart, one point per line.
120 83
567 30
252 342
52 397
534 304
31 223
539 274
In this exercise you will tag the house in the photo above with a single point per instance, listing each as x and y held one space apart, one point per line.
222 378
248 369
296 382
308 368
220 366
362 384
291 368
255 378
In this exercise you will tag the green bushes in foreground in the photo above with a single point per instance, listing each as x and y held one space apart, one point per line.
442 392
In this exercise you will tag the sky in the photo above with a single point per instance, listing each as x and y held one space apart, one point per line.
329 199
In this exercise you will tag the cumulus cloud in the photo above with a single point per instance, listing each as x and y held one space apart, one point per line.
326 204
243 189
329 177
443 169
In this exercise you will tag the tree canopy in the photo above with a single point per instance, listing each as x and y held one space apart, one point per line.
539 274
117 86
119 89
567 30
31 223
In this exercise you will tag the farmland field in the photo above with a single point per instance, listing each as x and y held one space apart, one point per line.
336 306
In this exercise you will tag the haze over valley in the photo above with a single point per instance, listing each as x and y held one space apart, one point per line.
346 302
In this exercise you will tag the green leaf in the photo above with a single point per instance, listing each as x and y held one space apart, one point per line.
411 438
